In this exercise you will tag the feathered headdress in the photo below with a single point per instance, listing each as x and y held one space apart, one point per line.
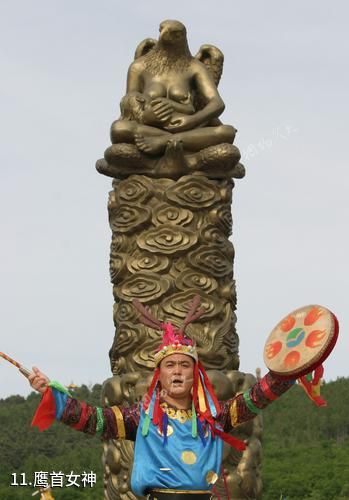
205 406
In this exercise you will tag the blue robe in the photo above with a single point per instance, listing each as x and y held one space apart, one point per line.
182 463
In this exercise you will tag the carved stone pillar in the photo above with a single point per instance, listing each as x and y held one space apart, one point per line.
169 242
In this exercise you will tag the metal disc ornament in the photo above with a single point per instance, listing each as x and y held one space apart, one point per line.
301 341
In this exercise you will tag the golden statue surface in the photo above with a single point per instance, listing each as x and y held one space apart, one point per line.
173 164
169 124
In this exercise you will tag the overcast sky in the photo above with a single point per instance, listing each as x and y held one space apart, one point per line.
63 70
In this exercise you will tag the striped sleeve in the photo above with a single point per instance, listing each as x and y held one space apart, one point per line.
113 422
250 403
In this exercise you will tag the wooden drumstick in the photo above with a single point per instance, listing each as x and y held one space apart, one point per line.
15 363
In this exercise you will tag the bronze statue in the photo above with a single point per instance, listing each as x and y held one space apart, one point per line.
169 122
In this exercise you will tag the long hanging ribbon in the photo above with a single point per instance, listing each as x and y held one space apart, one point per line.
201 397
228 438
225 483
209 387
156 414
207 416
45 412
311 385
195 386
201 432
51 405
161 417
208 397
145 426
194 421
148 415
150 392
214 489
164 427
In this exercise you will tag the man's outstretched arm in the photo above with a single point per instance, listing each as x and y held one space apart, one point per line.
109 422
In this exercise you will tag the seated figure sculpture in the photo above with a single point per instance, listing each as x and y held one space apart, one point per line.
169 124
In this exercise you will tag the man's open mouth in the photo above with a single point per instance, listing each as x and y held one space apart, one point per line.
177 381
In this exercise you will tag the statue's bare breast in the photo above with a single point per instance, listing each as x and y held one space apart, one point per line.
176 89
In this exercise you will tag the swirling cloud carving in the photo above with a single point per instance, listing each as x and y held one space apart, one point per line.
177 304
213 235
143 286
134 189
117 266
170 214
211 260
124 312
125 218
167 239
196 193
148 262
222 217
128 334
195 279
119 243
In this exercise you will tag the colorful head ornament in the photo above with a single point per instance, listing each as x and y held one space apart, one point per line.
205 406
174 342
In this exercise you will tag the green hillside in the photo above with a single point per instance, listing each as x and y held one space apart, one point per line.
306 449
59 449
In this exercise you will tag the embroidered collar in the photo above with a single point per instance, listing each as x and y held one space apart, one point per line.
175 413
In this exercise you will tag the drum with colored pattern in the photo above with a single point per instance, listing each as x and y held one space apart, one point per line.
301 341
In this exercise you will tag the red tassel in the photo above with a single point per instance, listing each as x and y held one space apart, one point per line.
225 483
312 388
235 443
318 374
207 416
215 492
46 411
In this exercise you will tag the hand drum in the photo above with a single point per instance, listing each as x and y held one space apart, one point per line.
301 341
